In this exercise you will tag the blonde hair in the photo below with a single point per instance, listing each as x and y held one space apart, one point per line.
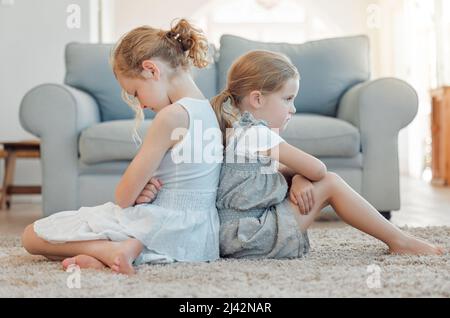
260 70
181 47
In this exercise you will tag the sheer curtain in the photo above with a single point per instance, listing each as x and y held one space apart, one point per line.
443 41
412 42
292 21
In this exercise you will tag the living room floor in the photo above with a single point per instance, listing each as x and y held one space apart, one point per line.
340 256
422 205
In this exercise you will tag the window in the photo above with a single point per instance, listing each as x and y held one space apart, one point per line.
261 20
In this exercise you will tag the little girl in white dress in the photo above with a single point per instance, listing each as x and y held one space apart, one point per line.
181 224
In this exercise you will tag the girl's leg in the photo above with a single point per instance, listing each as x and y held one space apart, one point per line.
119 256
54 258
356 211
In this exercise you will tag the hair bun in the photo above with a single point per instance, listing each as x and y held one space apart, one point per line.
193 42
171 34
186 42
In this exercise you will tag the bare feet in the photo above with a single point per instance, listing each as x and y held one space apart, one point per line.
123 255
83 261
415 246
119 256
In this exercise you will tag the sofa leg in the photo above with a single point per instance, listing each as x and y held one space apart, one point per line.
386 214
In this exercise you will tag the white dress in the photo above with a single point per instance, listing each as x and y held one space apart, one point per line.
182 223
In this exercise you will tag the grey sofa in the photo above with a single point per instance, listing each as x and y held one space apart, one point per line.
344 118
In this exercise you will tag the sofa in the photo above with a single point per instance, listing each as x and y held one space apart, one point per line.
346 119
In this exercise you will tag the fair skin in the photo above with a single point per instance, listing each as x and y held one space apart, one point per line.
313 187
159 91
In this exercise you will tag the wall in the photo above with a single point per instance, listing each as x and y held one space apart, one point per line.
33 35
345 16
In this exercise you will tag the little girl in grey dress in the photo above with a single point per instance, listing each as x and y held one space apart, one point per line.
258 219
255 219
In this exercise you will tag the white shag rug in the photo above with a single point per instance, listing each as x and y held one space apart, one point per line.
343 262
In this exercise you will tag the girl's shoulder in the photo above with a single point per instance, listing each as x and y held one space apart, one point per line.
173 115
251 137
166 123
247 120
247 125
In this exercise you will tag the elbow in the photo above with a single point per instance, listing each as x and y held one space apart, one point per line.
123 205
120 201
321 172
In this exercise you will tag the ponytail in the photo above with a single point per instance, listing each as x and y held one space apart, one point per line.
224 105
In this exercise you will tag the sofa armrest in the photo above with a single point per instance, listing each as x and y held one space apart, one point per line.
389 102
380 109
57 114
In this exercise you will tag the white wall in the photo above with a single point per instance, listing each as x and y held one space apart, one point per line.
346 16
33 34
341 18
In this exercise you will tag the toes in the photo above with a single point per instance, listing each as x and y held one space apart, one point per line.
68 261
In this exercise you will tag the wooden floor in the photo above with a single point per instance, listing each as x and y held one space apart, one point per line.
422 205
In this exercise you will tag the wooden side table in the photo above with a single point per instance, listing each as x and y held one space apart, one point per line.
440 130
12 151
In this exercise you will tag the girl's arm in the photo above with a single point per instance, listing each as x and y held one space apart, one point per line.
287 173
299 162
156 143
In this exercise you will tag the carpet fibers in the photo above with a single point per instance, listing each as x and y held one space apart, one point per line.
343 262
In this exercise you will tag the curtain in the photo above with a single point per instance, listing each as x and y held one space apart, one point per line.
412 43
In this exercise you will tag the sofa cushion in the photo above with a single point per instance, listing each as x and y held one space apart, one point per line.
206 78
323 136
319 136
327 67
88 68
109 141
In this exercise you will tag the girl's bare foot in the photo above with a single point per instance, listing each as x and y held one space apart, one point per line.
83 261
414 246
123 255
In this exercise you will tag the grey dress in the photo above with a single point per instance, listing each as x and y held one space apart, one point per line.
256 220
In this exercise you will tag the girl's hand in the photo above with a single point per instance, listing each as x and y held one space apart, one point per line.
148 194
301 193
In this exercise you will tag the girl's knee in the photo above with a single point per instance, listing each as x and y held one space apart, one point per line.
28 238
332 178
325 187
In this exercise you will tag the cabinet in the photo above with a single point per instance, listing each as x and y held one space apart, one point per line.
440 133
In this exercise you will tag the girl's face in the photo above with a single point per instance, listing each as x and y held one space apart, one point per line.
149 92
277 108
